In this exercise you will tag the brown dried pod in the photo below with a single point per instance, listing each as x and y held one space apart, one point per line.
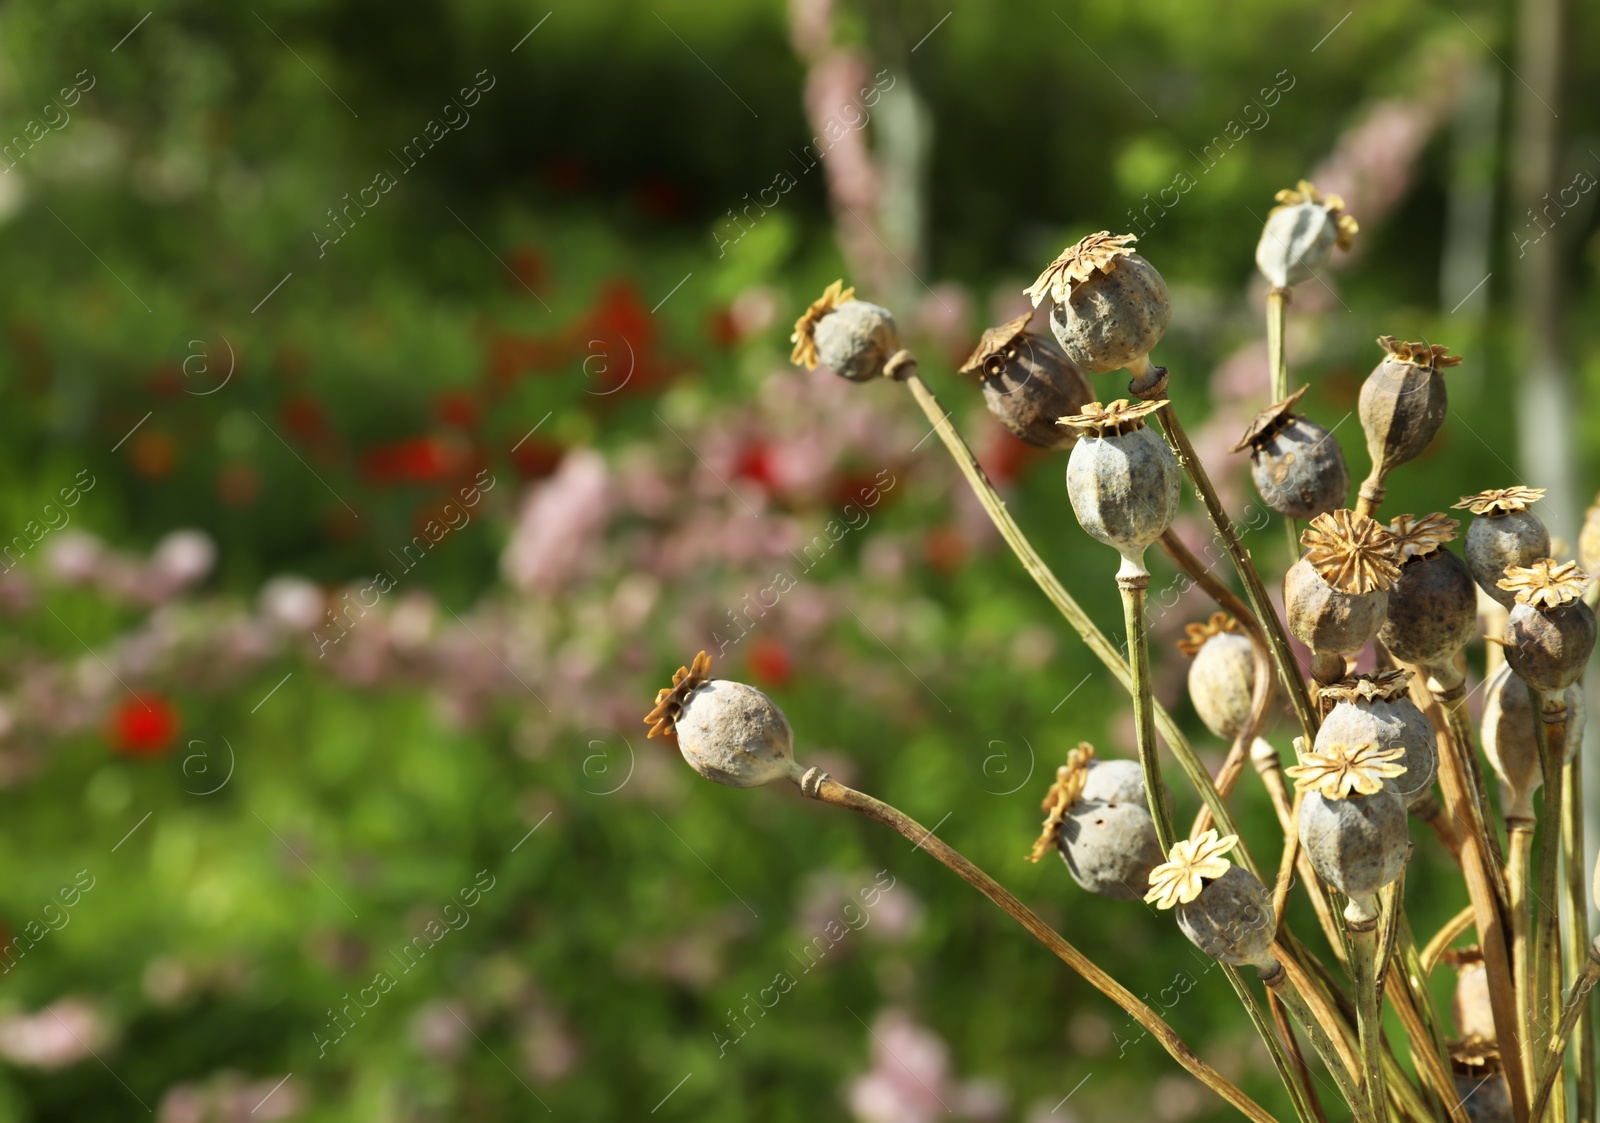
1377 708
1433 606
728 732
850 337
1551 631
1402 405
1223 674
1481 1081
1474 1012
1109 307
1296 464
1028 383
1503 533
1337 594
1589 538
1510 742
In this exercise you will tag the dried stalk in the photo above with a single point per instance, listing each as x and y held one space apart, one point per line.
1278 364
819 786
1551 732
1517 874
1443 938
1133 588
1577 929
1300 995
1574 1010
1369 1022
1450 688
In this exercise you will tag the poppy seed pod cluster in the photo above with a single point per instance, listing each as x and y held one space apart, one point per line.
1122 479
1099 823
1433 604
1029 383
1337 594
1296 464
1503 533
1300 234
850 337
1551 631
728 732
1402 405
1109 307
1222 676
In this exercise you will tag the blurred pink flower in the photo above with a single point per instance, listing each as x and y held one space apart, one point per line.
73 557
559 526
292 604
180 560
910 1080
65 1032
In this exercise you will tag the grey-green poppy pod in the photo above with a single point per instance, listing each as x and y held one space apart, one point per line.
1297 465
1510 741
1028 382
728 732
1223 674
1110 846
1109 307
1433 605
1122 479
1336 596
850 337
1504 533
1551 631
1357 844
1377 708
1232 919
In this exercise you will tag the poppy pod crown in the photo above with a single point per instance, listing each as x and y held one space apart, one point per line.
1351 552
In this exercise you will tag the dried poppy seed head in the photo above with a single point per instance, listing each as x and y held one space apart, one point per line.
1232 919
1336 595
1123 480
1357 844
1377 709
1480 1080
1338 769
1510 741
1474 1017
850 337
1296 464
1433 606
1109 307
728 732
1549 647
1222 676
1099 823
1300 233
1028 382
1503 533
1402 404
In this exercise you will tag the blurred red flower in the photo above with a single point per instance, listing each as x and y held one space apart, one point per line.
144 725
458 408
425 459
769 661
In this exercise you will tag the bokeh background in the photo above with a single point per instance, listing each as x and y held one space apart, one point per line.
291 288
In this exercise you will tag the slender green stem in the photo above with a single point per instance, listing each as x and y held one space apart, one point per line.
1254 588
1577 928
1133 587
819 786
1570 1016
1277 362
1369 1024
1280 1059
1096 640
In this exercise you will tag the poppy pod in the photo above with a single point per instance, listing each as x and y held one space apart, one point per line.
1503 533
1376 708
1108 306
727 731
1122 479
1510 741
1551 631
1101 826
1296 464
1480 1080
1028 382
1300 233
1222 676
1402 405
1433 605
1336 595
1357 844
850 337
1224 909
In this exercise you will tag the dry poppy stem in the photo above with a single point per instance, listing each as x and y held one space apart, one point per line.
1300 995
1443 938
1551 731
1262 689
1521 831
1133 589
1070 610
1278 363
1453 697
1255 589
1275 1047
1575 1010
1369 1024
1413 1001
1291 1044
1576 958
819 786
1485 905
